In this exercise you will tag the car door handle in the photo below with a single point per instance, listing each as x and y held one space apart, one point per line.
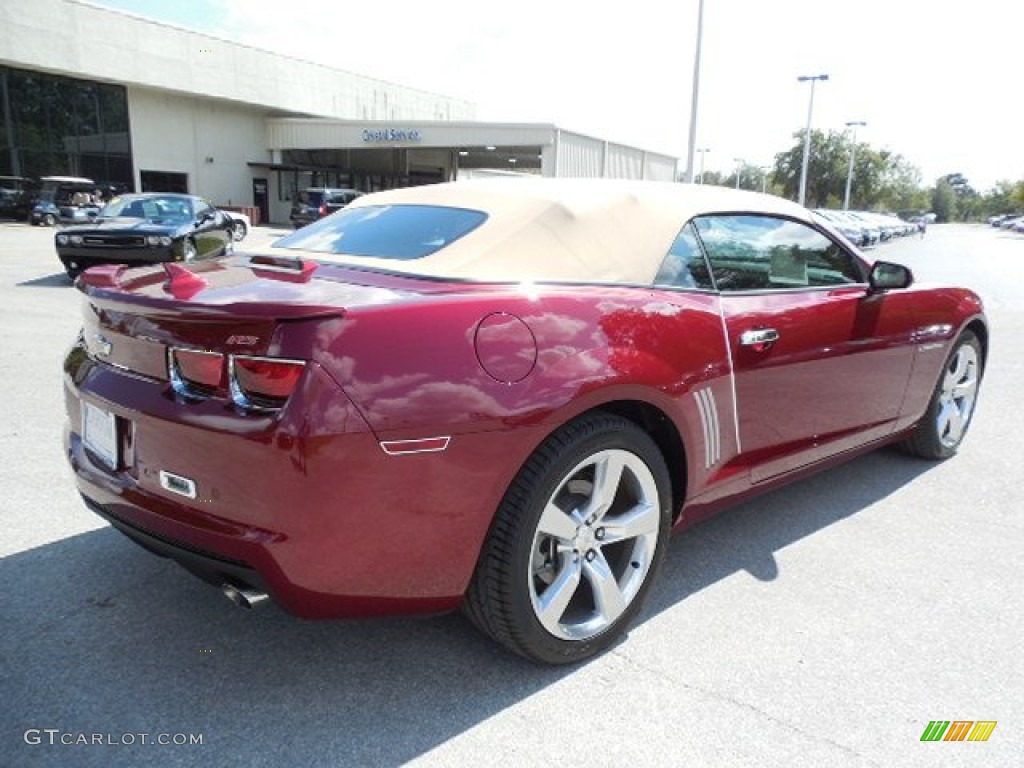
759 337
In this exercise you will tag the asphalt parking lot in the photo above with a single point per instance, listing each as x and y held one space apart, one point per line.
824 624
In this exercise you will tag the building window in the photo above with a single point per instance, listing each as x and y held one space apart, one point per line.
61 126
164 181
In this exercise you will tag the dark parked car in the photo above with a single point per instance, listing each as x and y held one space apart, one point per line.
145 229
499 395
316 202
853 229
850 230
16 197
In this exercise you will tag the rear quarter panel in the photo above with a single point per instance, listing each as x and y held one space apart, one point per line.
414 369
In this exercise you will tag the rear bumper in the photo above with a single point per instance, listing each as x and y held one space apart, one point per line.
288 564
209 567
304 505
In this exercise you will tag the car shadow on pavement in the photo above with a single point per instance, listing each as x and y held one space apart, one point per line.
56 280
102 637
748 536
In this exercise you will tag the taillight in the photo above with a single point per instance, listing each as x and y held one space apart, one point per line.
263 382
195 372
323 210
255 383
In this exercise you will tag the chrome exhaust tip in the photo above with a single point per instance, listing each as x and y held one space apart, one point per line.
243 598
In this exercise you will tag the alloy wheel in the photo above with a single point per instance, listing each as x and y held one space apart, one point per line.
956 399
594 545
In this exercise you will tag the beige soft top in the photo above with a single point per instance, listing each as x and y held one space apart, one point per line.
577 230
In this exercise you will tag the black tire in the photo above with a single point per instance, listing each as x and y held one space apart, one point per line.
239 230
188 251
50 220
939 434
521 565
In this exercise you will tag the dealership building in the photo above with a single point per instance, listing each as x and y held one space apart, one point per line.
89 91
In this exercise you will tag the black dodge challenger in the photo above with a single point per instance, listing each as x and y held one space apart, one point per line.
146 229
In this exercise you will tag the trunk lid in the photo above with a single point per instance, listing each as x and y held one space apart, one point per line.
237 305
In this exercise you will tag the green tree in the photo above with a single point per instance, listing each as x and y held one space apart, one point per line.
999 199
1018 195
752 177
713 178
870 175
880 178
826 170
944 201
967 198
901 188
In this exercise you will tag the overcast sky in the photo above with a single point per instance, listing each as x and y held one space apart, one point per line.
936 80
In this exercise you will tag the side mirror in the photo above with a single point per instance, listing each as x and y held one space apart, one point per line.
886 276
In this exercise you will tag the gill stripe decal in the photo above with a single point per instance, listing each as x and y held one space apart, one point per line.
708 409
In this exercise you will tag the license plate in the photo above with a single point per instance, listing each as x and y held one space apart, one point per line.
99 433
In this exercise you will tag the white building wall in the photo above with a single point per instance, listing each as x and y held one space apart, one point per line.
80 40
660 167
579 156
211 141
193 96
549 160
624 162
491 173
586 157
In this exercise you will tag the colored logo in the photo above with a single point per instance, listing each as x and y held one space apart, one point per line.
958 730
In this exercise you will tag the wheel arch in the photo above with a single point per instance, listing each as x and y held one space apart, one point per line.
979 328
657 424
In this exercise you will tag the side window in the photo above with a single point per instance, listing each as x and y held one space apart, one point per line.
201 210
684 266
752 252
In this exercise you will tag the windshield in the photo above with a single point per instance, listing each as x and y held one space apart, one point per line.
311 197
149 208
399 232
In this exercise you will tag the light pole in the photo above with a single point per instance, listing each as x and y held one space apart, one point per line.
764 178
700 177
807 135
739 170
853 151
693 105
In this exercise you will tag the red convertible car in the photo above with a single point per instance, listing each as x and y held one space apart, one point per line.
500 395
